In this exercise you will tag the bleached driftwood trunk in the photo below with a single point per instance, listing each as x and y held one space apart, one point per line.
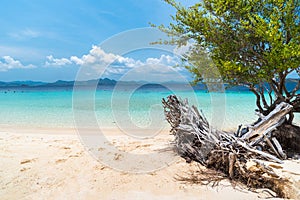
196 140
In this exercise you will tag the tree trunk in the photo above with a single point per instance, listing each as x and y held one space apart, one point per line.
196 140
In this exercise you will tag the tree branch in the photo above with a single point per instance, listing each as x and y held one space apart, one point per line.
261 92
274 85
252 89
270 94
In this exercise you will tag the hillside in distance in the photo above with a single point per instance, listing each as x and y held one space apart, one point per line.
290 83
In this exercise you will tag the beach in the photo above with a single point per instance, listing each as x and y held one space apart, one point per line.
51 149
56 166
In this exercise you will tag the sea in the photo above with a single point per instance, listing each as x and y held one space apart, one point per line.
123 107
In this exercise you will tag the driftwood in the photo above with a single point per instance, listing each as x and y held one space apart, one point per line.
238 155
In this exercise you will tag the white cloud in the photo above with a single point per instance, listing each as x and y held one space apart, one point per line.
153 73
168 61
8 63
183 49
51 61
30 33
24 34
97 61
164 59
99 56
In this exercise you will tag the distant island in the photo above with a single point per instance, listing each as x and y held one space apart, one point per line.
112 83
59 83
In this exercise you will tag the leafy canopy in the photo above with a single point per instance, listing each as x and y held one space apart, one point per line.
249 41
255 43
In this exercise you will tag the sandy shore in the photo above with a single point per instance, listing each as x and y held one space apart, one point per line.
57 166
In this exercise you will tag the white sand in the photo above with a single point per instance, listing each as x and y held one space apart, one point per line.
56 166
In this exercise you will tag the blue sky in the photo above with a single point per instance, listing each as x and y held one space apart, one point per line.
50 40
40 40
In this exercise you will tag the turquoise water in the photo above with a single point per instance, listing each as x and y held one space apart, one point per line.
52 108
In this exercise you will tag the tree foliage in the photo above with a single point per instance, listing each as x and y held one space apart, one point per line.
255 43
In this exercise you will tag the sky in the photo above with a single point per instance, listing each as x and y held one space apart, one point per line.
45 40
50 40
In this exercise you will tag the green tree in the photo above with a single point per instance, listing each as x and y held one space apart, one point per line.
255 43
